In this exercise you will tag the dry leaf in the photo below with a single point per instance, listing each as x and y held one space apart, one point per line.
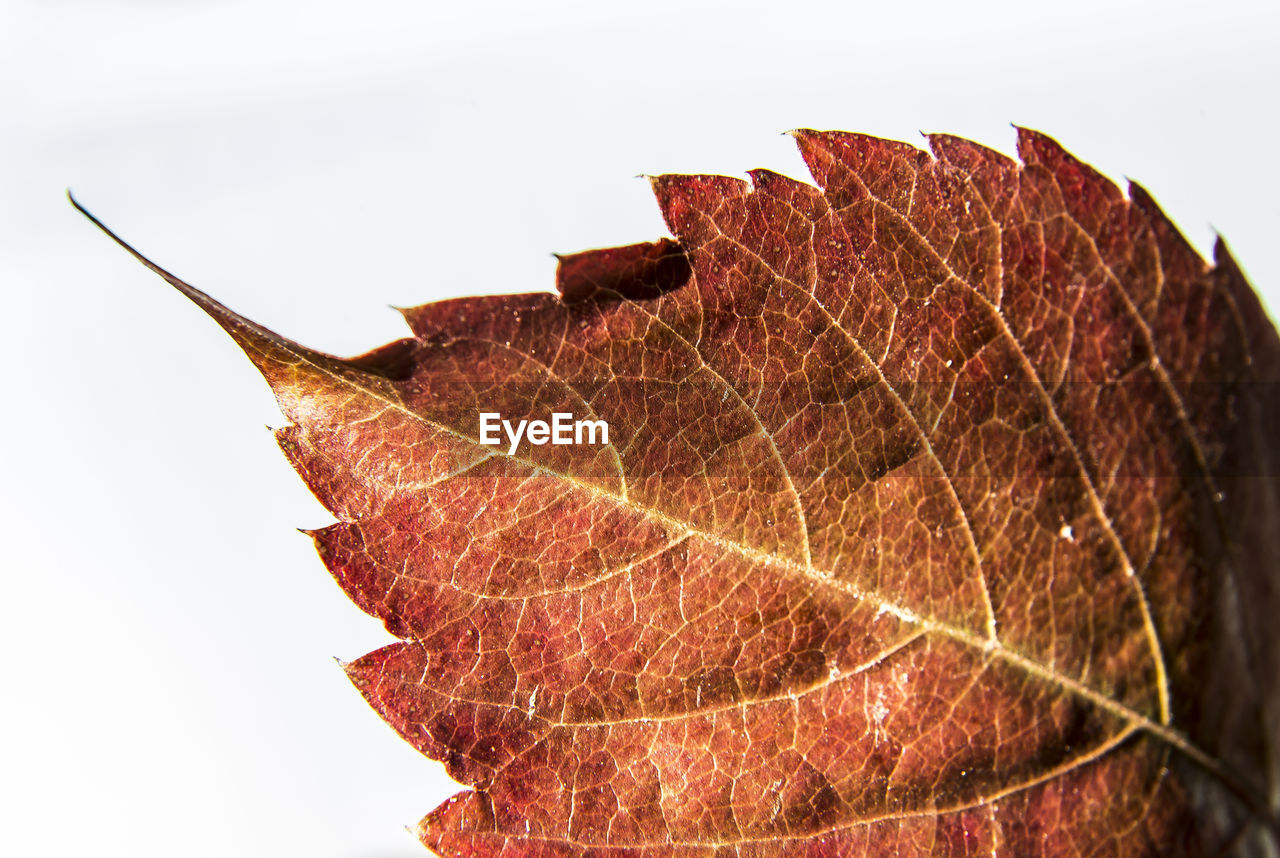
938 517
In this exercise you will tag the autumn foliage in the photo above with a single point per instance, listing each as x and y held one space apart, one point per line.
938 518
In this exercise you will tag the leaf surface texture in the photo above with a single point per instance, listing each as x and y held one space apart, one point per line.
938 518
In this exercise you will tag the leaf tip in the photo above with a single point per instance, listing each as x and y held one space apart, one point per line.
264 347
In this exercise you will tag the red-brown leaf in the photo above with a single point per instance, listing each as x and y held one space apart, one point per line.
938 519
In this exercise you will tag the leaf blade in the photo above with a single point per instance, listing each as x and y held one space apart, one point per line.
857 574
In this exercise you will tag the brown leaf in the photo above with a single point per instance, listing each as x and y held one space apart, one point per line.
938 518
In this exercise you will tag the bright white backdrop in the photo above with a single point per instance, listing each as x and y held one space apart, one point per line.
169 687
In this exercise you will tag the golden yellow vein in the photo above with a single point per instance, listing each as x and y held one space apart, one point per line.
1067 766
768 437
1104 521
617 459
1156 365
971 545
827 681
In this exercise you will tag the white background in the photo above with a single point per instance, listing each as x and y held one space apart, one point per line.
169 687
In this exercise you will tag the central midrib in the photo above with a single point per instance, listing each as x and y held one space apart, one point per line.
815 575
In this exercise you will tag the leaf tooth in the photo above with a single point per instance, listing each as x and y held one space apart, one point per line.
686 199
968 156
637 271
448 321
829 154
